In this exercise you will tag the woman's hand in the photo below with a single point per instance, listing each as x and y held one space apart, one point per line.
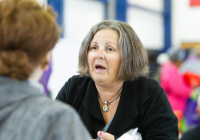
105 136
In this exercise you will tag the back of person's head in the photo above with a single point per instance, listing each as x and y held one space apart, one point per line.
176 54
28 32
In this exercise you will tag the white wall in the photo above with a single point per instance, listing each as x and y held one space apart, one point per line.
64 63
148 25
80 16
185 22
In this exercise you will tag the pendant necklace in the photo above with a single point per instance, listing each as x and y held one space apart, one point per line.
105 107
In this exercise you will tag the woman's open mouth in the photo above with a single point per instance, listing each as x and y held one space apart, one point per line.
99 68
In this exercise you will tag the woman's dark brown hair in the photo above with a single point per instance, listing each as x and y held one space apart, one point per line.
134 58
28 32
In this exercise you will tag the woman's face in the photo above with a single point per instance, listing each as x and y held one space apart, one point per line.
104 57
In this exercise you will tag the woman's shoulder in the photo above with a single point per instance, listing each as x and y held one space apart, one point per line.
144 81
77 80
145 88
75 84
149 85
72 87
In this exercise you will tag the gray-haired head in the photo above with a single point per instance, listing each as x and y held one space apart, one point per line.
134 58
176 54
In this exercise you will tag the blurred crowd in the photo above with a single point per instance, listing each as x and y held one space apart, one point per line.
178 72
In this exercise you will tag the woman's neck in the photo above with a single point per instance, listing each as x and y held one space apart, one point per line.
108 92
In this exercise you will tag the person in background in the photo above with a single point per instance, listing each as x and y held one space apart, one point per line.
193 134
112 94
28 33
173 82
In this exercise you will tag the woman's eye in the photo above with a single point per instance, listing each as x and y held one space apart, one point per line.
110 49
93 48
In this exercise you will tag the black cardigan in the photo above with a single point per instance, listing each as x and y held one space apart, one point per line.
143 104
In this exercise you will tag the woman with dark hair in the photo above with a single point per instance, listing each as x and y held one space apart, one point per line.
112 93
28 33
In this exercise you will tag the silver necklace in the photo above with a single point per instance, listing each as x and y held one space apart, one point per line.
105 107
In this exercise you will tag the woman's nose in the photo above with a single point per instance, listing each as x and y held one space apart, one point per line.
100 54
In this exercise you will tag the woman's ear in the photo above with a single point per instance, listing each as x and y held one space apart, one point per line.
46 61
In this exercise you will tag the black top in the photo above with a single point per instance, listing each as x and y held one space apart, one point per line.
143 104
193 134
